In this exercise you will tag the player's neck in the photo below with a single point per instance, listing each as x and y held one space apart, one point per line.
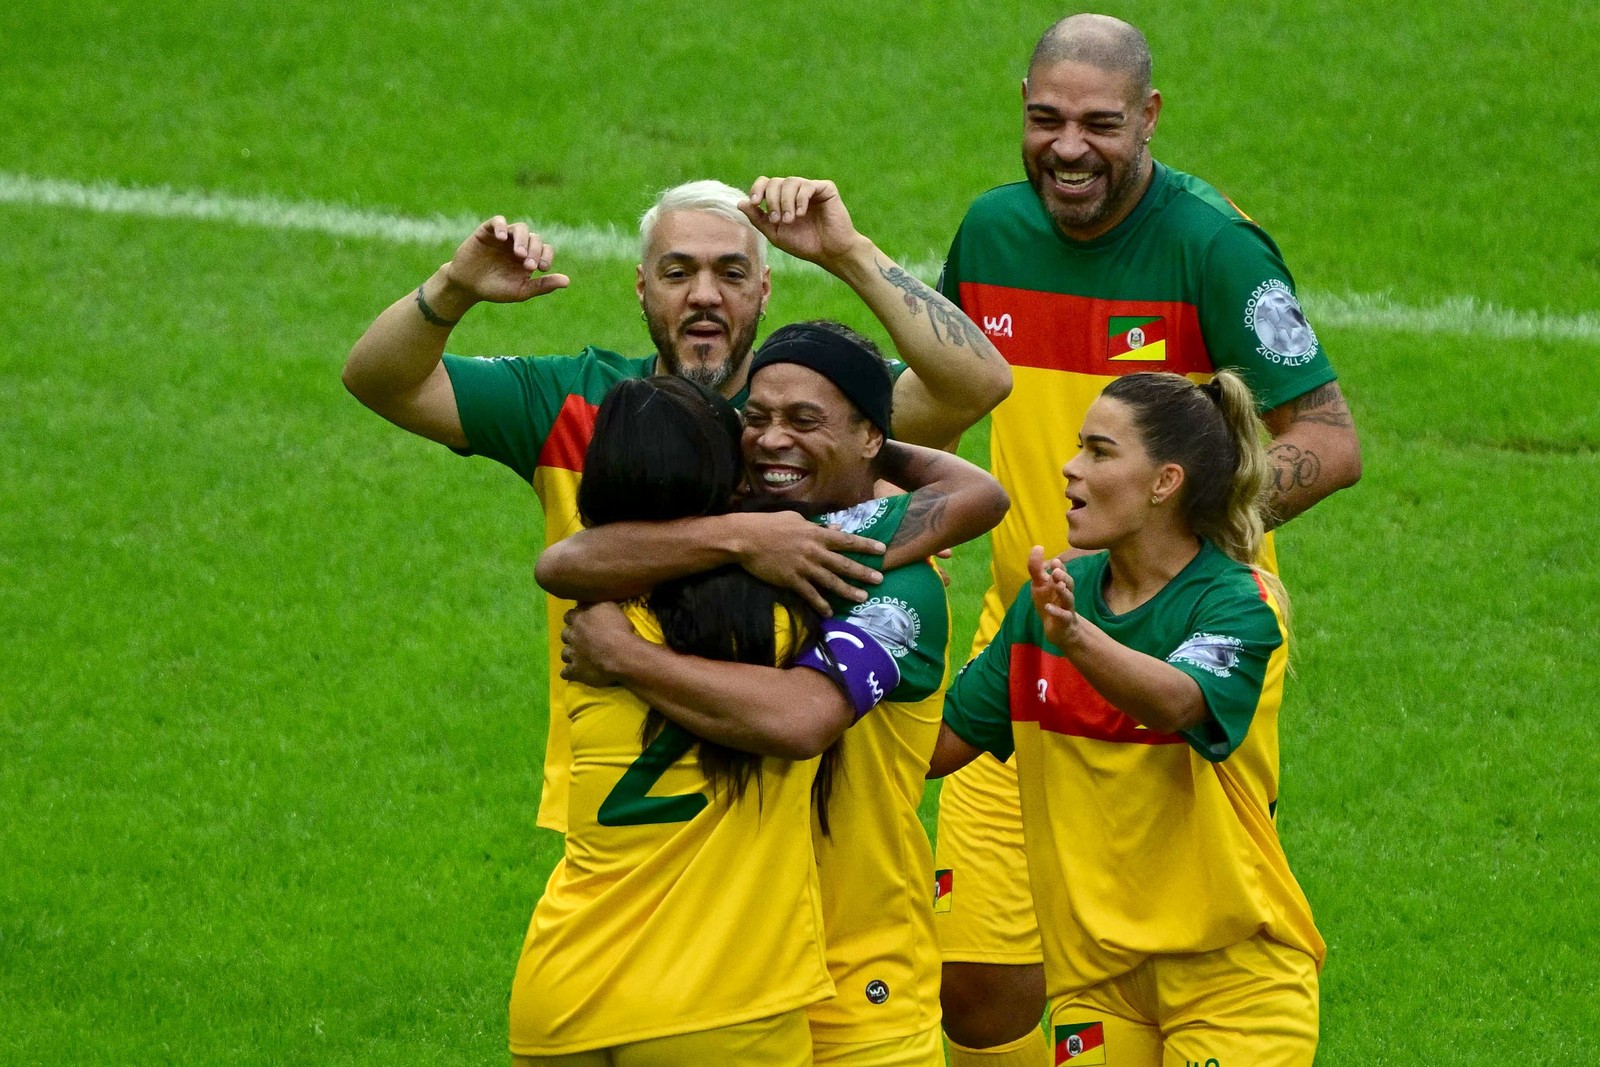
1141 566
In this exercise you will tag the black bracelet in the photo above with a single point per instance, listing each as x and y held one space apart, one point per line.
430 314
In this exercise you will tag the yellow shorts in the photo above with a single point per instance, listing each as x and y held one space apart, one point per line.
779 1041
1253 1003
987 914
918 1050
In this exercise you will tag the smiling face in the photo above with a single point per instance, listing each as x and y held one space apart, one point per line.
804 441
703 290
1083 144
1112 479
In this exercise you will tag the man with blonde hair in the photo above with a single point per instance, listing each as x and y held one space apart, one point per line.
703 285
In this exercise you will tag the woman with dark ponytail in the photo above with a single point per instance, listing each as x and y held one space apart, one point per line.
1139 688
683 921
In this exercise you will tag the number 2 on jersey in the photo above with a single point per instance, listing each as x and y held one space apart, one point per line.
628 805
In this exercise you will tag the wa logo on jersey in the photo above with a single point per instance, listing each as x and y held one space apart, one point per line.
892 621
877 991
1280 326
858 518
1215 653
997 325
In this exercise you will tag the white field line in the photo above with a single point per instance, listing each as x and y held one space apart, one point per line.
1462 316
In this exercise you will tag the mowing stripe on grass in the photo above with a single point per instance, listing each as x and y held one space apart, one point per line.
1460 316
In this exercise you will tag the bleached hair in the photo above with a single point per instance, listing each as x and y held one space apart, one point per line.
708 195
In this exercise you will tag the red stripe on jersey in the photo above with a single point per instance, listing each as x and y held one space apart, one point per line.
1055 331
569 437
1050 691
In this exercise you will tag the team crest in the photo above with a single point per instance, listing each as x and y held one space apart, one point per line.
1280 326
858 518
943 883
1136 338
1216 653
1080 1044
892 621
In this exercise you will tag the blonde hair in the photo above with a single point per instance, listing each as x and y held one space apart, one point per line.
1213 432
707 195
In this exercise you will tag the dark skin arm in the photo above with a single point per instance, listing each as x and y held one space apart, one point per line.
1314 451
952 501
793 714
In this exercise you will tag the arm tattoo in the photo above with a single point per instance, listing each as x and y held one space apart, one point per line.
958 329
1324 404
1293 468
924 512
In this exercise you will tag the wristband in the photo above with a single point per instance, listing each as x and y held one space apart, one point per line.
431 315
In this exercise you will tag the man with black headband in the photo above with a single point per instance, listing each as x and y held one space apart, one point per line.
817 435
703 284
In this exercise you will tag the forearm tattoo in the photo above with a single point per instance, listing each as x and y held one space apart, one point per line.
957 328
924 512
1325 405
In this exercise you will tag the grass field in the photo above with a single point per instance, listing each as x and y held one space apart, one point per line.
271 709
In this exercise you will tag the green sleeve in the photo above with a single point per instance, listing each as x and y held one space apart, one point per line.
1234 636
508 404
908 613
977 707
1251 318
949 284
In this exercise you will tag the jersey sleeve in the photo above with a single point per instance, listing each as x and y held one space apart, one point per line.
856 658
1234 637
977 707
1251 318
509 404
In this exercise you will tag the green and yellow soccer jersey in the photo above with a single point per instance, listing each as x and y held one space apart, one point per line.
1139 842
674 909
875 865
1185 283
535 414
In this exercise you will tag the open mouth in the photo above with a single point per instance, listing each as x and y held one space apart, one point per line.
778 479
1073 181
1075 504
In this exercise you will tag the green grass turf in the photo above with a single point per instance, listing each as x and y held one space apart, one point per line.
271 709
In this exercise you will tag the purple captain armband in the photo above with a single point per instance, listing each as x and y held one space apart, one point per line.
867 669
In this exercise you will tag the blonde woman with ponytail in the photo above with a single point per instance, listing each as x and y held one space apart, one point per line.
1139 687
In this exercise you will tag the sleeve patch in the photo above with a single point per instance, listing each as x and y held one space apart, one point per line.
867 668
1216 654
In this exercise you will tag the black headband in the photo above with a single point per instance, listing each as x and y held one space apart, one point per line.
859 374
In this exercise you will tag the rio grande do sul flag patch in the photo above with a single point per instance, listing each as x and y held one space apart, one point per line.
1078 1044
943 882
1141 338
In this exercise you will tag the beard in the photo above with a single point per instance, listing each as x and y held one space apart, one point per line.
711 375
1122 191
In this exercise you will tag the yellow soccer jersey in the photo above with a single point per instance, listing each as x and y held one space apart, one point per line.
672 910
1142 843
876 865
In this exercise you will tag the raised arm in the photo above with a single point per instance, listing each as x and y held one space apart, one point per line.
1314 451
395 368
952 501
954 374
1149 690
792 714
